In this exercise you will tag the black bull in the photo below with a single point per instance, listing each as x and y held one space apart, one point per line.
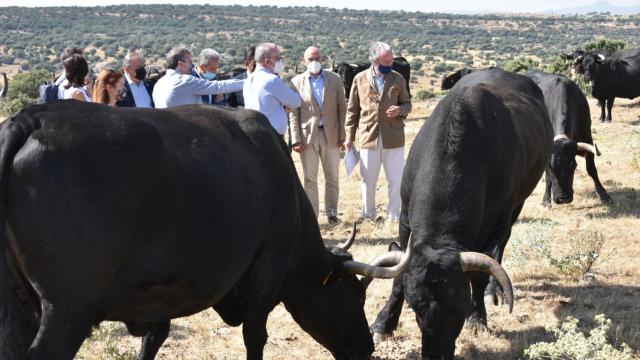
142 215
469 171
347 72
571 120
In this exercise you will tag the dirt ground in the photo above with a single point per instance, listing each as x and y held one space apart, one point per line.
543 295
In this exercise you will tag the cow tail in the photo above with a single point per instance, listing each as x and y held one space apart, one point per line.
12 137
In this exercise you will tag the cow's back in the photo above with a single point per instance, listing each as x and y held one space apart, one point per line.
146 206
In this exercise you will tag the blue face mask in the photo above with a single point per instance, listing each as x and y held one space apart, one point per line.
384 70
209 75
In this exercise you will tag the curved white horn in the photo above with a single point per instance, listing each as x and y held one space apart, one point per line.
590 148
474 261
379 272
350 240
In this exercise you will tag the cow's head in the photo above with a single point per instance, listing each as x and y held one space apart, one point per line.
448 81
437 287
330 306
591 63
563 165
576 58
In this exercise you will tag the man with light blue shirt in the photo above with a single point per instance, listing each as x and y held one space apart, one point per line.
178 87
265 92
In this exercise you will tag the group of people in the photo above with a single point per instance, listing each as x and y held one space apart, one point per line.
321 121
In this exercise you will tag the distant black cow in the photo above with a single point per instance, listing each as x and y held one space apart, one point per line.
612 76
578 56
571 120
144 215
469 171
348 71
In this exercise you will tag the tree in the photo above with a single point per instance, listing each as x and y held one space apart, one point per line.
23 90
521 65
605 44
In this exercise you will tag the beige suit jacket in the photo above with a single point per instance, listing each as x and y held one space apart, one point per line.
305 119
366 112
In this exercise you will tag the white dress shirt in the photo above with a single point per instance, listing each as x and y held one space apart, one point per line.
175 89
264 91
139 92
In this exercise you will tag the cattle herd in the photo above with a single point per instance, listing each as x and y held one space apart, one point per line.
145 215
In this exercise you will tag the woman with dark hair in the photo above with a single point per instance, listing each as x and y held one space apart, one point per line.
109 87
76 70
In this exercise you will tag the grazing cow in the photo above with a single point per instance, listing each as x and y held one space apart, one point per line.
612 76
144 215
469 171
571 120
348 71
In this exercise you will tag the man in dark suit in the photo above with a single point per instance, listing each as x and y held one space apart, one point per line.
207 68
139 90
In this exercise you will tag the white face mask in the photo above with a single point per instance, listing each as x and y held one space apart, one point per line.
279 66
314 67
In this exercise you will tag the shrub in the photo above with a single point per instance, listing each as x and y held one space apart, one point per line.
23 90
521 65
605 44
424 94
573 344
585 249
106 333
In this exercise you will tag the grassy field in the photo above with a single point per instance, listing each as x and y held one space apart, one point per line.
543 293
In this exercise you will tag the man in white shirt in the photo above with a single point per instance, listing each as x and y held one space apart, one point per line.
179 87
139 90
265 92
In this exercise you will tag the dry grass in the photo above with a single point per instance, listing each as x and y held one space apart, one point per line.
542 296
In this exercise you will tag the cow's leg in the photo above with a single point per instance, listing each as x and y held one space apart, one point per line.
591 170
609 107
602 102
477 319
546 198
62 331
154 336
388 318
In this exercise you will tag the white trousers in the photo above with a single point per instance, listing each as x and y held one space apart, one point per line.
393 162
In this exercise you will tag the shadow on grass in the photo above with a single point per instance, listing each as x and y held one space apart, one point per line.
626 203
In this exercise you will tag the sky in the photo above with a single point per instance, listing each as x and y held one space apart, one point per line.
408 5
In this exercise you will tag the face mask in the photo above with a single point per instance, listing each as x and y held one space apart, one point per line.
209 75
314 67
384 70
279 66
141 73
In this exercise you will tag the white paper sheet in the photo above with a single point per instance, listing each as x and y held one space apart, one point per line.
351 158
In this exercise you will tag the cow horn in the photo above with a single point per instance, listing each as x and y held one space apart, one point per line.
560 137
590 148
600 57
349 241
5 86
400 259
474 261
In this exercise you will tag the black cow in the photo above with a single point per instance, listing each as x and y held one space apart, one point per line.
571 120
347 71
469 171
144 215
578 56
448 81
612 76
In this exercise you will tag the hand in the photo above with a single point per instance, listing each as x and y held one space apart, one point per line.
287 109
298 147
394 111
347 144
219 98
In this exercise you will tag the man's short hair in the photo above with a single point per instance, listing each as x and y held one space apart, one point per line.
69 52
263 51
175 55
207 55
376 50
130 58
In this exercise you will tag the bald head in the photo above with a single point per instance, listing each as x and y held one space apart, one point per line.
312 54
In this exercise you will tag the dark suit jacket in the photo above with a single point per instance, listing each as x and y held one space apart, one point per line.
128 100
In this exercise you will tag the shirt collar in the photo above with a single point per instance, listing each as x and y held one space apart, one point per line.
129 80
262 68
316 78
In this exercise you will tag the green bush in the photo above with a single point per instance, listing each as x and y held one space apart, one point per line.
573 344
521 65
424 94
605 44
23 90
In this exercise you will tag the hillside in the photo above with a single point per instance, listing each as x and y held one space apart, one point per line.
34 37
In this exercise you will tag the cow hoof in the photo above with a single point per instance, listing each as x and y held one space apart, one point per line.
606 199
545 205
476 326
380 337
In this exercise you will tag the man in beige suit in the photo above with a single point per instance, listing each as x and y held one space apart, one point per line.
378 104
317 130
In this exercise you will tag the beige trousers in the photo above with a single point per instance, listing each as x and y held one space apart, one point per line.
329 156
